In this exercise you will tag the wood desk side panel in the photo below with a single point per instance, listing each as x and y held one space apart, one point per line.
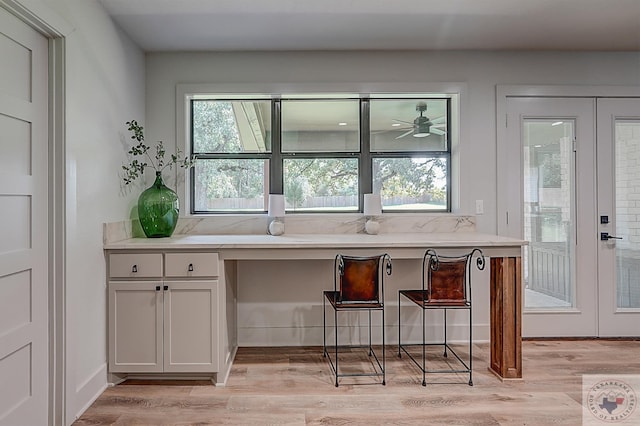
505 314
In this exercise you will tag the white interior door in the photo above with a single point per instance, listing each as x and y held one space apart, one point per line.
23 224
552 204
619 211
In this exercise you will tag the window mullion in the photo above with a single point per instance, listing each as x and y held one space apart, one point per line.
365 184
275 166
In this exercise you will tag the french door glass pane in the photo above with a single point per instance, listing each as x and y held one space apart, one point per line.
627 171
548 213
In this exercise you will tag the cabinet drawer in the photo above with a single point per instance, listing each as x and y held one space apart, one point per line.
134 265
191 265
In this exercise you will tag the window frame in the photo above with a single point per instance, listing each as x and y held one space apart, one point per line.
365 156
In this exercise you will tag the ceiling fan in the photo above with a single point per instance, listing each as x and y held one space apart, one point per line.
422 126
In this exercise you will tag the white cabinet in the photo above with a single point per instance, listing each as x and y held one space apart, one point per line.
164 316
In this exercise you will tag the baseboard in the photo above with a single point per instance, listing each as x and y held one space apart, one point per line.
576 338
312 335
223 376
89 390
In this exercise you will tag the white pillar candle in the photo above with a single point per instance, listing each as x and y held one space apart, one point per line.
372 208
276 205
372 205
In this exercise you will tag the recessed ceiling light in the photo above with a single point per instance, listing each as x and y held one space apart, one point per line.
395 125
537 146
556 123
342 124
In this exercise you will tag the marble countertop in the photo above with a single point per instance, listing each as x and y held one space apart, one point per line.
314 241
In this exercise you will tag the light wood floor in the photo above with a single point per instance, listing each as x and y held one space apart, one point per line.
294 386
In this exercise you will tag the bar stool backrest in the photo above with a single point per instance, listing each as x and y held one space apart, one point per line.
447 283
359 279
447 279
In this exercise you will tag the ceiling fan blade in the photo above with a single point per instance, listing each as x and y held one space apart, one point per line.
439 120
408 132
395 129
402 121
439 126
436 131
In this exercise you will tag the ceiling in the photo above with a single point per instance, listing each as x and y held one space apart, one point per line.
231 25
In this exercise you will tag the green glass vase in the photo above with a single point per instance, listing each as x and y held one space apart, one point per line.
158 208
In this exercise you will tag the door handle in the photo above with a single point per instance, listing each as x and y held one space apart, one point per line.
604 236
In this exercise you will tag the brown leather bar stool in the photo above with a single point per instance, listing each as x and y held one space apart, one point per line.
446 284
358 285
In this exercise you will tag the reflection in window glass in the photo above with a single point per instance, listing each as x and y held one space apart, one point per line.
320 125
230 184
231 126
418 183
408 125
321 184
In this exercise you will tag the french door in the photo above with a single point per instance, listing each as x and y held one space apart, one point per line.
619 216
572 195
552 150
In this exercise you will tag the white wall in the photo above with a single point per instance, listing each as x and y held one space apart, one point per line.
277 72
104 89
361 71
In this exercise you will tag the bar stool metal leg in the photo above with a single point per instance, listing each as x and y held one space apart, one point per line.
335 324
445 333
399 329
384 365
424 349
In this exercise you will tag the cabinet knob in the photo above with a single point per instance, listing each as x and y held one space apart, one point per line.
166 287
190 267
157 288
134 268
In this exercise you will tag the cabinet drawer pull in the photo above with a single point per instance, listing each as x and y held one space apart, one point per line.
134 269
157 288
190 267
166 287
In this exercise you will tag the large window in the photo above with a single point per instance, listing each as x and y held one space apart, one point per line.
322 153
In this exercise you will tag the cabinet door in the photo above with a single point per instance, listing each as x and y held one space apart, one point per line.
135 326
191 326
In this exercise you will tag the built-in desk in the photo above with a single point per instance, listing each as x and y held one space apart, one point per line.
505 275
